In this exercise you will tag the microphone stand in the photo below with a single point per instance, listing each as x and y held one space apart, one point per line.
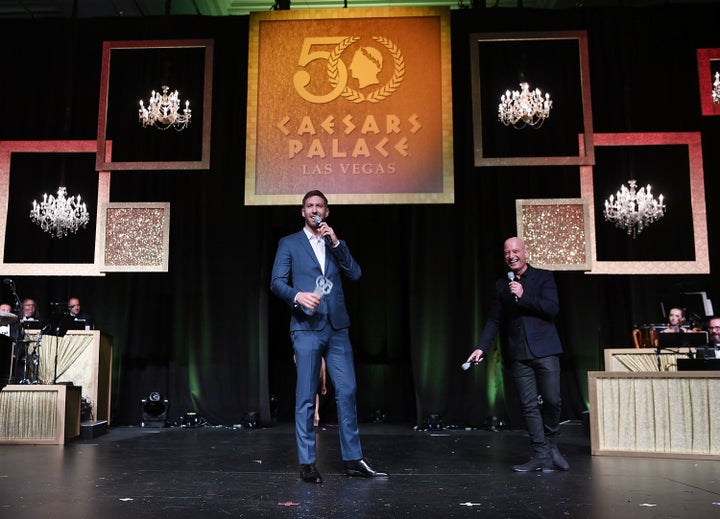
18 305
659 363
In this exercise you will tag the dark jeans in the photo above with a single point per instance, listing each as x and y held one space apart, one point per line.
533 378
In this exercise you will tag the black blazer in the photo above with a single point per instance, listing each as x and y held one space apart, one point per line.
534 314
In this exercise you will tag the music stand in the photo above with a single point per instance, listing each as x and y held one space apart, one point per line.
57 326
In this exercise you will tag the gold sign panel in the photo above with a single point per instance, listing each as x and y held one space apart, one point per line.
354 102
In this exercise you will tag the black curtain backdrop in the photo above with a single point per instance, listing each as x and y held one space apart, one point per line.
208 334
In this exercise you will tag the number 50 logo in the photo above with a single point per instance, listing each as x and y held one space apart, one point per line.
366 64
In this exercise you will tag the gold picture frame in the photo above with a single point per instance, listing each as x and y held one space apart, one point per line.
7 148
569 80
134 68
708 64
690 145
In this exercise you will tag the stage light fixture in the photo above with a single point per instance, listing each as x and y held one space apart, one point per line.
433 422
154 410
378 416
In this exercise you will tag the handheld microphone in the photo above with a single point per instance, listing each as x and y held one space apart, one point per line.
511 277
466 365
8 281
318 220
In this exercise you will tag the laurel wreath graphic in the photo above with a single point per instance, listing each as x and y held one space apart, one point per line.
377 95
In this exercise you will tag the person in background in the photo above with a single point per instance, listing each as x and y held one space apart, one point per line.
75 313
322 390
712 350
307 274
525 306
9 335
6 312
29 319
676 319
29 311
714 330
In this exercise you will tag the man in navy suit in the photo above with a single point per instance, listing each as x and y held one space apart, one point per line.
525 306
307 274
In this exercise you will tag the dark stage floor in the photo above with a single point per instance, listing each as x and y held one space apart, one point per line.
223 472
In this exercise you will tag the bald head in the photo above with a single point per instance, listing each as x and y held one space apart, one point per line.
515 255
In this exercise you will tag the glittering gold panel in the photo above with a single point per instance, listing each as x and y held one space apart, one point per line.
554 232
135 236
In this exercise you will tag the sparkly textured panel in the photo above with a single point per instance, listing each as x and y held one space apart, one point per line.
136 236
554 232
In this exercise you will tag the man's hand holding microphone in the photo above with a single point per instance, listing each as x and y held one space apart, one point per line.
476 357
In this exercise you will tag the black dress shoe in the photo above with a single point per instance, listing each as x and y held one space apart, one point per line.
558 459
544 464
310 474
362 468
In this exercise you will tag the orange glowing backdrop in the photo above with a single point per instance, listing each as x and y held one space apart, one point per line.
354 102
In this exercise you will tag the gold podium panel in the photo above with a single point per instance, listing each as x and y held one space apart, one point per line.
39 414
84 357
643 359
655 414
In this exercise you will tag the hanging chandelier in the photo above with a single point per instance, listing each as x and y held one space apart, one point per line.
61 215
633 211
716 89
524 108
163 111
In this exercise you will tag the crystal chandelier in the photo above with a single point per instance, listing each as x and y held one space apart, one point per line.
716 89
163 111
60 215
633 211
524 108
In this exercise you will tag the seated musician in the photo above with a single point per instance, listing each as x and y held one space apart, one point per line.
712 349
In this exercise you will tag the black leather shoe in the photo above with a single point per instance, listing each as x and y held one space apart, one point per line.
558 459
310 474
544 464
362 468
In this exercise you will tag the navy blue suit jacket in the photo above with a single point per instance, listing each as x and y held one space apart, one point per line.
532 315
295 270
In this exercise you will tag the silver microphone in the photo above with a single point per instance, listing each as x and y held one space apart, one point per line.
511 277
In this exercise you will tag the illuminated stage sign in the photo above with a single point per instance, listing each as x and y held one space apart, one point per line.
354 102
